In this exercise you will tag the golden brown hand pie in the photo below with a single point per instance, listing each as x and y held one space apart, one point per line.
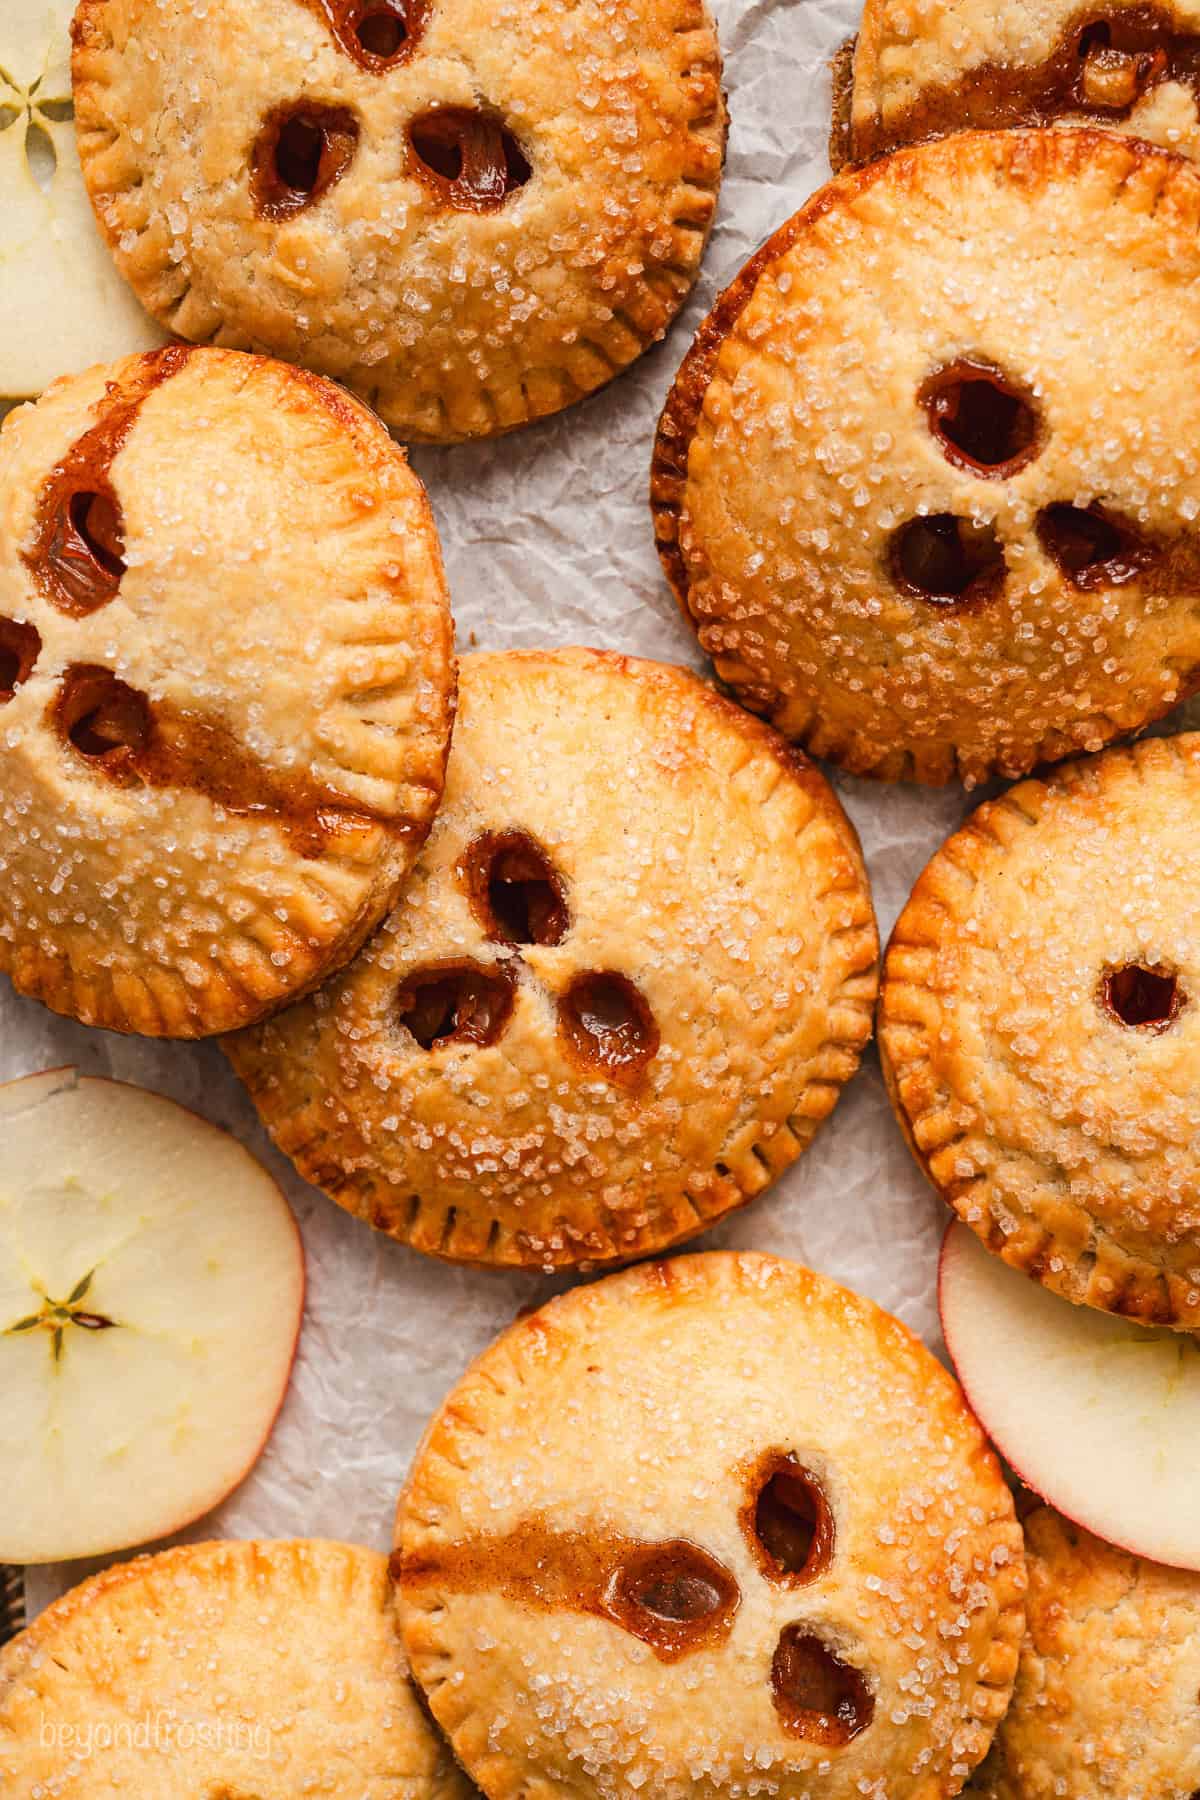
712 1527
1109 1677
634 966
226 679
925 483
221 1670
472 215
1039 1025
916 72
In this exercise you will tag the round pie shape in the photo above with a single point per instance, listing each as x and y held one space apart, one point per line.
1039 1026
471 217
226 683
634 966
706 1526
924 484
1106 1692
916 73
222 1669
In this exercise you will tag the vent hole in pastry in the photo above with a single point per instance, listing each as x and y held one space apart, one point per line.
947 560
516 893
817 1695
608 1025
103 719
456 1003
674 1595
20 646
85 556
1093 548
468 157
387 31
983 423
791 1525
302 151
1149 999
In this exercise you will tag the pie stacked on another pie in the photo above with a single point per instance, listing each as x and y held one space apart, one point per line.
1109 1678
710 1528
1039 1026
471 214
632 970
925 482
226 682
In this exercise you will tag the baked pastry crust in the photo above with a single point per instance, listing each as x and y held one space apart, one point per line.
943 65
1105 1701
223 1669
226 684
571 1467
1064 1134
802 457
706 876
456 311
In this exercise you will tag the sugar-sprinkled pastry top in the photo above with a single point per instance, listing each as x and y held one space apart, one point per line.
224 1669
226 680
472 214
1040 1026
919 68
925 482
712 1527
633 968
1109 1678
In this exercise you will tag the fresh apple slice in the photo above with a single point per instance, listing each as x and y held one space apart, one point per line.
62 303
1099 1416
151 1288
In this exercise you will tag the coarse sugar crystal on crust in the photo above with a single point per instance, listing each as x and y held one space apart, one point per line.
226 685
1039 1026
634 966
924 482
222 1670
1108 1683
473 215
710 1528
919 68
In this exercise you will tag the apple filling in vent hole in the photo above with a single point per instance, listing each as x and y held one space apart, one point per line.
608 1025
104 720
790 1525
302 151
949 561
383 32
817 1695
516 893
1092 547
674 1596
983 423
1147 999
20 646
456 1003
469 159
85 555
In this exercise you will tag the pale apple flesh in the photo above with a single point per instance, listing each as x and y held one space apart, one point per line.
1098 1415
63 305
151 1292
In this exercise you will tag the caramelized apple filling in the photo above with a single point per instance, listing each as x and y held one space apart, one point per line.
817 1695
20 646
516 892
467 156
1149 999
456 1003
301 152
950 561
983 423
607 1025
788 1520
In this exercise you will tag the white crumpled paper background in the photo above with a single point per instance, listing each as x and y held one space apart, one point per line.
548 540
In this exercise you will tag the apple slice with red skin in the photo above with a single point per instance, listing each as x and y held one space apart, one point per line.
1098 1415
151 1292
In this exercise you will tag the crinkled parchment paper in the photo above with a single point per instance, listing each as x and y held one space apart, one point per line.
548 540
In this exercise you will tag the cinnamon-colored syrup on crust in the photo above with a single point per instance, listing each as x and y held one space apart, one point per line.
672 1595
